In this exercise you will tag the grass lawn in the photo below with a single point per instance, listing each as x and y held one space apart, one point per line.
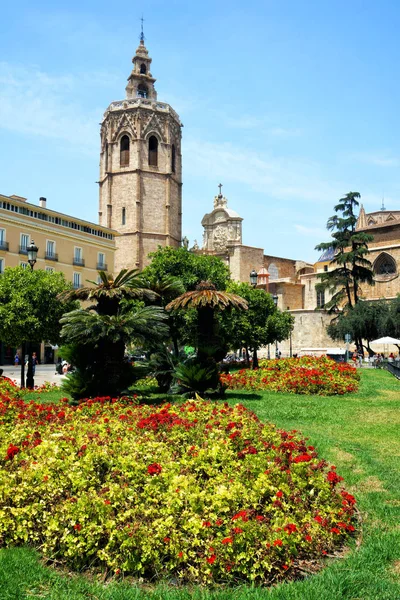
359 433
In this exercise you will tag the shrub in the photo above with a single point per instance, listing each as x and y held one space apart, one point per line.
307 375
202 492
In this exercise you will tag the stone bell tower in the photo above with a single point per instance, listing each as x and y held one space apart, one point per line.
141 169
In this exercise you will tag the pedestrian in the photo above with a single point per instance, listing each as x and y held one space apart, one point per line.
34 362
16 359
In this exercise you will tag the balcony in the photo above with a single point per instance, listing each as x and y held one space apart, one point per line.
4 245
78 262
101 267
51 256
23 250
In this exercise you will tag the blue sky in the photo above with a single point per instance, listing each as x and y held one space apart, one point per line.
289 104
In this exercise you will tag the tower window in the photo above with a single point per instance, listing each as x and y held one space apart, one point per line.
153 151
143 69
173 154
124 152
123 217
142 90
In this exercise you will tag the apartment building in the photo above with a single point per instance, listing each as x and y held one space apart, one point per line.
75 247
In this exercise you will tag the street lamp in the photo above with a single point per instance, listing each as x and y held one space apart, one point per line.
253 278
275 299
32 258
32 254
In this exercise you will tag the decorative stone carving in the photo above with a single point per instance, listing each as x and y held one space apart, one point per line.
220 238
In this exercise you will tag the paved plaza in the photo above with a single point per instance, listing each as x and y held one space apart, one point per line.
43 373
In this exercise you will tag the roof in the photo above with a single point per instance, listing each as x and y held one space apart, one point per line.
329 254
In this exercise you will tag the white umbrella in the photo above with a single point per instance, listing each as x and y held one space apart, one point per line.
385 340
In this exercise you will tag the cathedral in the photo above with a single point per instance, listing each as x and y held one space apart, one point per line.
141 200
141 169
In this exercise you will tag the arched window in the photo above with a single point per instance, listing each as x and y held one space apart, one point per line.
124 151
143 69
153 151
123 216
385 265
142 90
173 158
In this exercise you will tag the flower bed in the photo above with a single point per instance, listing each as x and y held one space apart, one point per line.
307 375
200 491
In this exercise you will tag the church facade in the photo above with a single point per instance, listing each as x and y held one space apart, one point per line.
294 281
140 183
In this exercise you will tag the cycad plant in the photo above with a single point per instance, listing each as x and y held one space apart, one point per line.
96 336
206 299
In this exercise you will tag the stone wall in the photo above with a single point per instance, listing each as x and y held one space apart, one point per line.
242 260
309 332
286 266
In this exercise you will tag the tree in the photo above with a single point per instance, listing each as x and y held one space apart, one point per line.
260 325
206 300
30 309
364 321
351 267
178 264
98 334
188 267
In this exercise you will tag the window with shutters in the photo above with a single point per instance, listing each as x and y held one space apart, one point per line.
76 280
124 151
24 243
153 151
320 299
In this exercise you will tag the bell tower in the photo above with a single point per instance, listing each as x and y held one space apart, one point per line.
141 169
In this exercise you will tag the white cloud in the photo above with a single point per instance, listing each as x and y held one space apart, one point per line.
35 103
282 178
376 159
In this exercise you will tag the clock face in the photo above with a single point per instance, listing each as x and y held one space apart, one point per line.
219 216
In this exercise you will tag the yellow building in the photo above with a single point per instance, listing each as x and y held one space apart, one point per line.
77 248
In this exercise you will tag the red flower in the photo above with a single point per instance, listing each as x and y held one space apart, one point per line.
219 522
290 528
302 458
11 452
237 530
77 527
335 530
167 539
154 469
279 494
308 538
278 543
211 559
227 540
206 524
180 554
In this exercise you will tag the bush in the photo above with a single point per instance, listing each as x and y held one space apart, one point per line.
200 492
307 375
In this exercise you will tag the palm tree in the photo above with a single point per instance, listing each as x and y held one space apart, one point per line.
109 292
206 299
98 334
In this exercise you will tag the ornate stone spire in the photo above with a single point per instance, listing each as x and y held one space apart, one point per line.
362 219
140 81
